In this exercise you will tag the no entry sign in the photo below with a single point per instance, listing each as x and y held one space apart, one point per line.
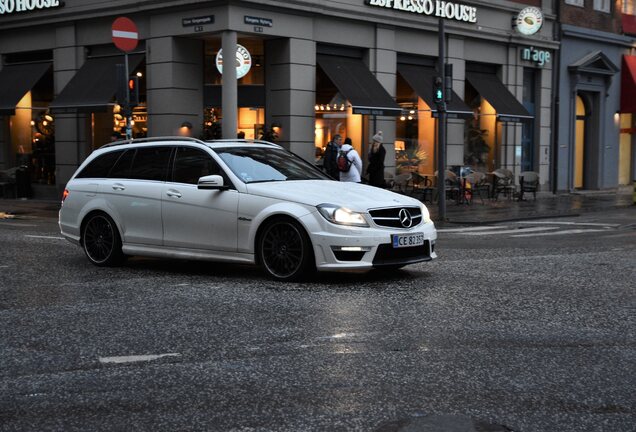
125 34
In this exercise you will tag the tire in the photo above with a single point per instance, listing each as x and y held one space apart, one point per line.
101 241
285 251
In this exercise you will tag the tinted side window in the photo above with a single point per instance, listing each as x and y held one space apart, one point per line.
122 167
100 166
191 163
151 163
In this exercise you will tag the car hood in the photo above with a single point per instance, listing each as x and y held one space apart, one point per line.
355 196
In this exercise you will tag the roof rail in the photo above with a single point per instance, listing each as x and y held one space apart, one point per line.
152 139
244 140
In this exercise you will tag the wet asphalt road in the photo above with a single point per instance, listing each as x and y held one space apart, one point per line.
535 333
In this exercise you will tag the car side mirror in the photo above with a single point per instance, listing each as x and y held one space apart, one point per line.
212 182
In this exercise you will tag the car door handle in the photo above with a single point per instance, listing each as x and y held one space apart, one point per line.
174 194
119 186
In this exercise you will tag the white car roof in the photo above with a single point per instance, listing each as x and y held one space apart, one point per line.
175 140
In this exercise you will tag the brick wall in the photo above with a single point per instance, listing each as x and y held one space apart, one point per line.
589 18
536 3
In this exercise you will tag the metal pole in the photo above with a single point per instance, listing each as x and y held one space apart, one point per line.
128 108
441 129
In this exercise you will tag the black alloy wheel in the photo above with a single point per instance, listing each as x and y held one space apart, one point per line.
285 250
101 241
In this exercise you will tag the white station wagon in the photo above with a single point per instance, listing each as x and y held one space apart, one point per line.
237 201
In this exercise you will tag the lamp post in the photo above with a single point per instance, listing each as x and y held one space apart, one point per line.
441 127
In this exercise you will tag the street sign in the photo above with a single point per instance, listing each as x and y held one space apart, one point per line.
125 34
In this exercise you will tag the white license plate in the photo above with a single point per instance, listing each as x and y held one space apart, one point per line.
407 240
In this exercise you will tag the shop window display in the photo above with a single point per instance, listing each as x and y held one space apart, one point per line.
251 111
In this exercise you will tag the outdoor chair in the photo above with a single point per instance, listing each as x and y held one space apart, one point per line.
8 184
451 185
475 184
528 182
422 186
503 182
401 183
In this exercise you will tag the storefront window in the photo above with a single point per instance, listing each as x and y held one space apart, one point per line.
480 132
333 115
32 127
415 133
251 93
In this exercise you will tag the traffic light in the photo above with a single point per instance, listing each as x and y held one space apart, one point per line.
133 88
438 90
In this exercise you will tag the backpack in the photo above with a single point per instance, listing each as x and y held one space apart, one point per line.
343 162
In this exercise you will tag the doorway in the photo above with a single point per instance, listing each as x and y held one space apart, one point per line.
579 143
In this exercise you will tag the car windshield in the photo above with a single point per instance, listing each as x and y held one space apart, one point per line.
266 164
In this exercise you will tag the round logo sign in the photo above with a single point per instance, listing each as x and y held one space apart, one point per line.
243 61
529 21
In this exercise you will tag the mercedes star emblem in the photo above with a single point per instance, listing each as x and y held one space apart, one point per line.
405 218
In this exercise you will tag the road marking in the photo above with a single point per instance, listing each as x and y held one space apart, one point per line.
45 237
564 232
469 229
570 223
511 231
136 358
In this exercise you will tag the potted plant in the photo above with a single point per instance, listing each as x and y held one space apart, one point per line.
410 159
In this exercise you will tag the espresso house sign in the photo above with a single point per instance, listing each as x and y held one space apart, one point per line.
439 8
13 6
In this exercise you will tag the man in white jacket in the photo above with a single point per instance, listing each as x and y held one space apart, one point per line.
354 173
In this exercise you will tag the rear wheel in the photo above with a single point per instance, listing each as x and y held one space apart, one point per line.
285 250
101 241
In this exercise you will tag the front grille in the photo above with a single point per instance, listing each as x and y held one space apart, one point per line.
388 255
390 217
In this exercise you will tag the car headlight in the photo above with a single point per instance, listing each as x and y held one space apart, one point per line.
426 216
342 215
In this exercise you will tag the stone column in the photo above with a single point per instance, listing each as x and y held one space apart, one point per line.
290 88
71 137
383 63
229 96
455 132
174 86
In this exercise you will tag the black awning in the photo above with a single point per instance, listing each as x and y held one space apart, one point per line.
358 85
16 81
421 78
94 86
508 108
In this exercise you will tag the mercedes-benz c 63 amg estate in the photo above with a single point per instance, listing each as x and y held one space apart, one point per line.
237 201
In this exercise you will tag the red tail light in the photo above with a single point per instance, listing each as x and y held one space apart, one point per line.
64 195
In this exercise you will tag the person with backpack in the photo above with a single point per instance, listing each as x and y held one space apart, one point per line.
331 155
349 163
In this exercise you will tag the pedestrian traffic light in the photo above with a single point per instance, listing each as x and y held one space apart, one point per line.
133 88
438 90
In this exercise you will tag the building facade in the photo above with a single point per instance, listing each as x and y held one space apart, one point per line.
595 144
304 72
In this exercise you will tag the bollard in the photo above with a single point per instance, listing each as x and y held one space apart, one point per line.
634 194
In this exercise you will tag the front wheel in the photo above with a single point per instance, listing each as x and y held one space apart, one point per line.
101 241
285 250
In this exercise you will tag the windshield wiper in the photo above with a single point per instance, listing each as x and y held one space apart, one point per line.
264 181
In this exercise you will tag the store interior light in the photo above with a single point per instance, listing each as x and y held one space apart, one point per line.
139 74
402 118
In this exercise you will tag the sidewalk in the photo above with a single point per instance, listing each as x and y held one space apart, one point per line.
546 205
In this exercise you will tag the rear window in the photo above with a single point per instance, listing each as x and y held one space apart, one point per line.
100 166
